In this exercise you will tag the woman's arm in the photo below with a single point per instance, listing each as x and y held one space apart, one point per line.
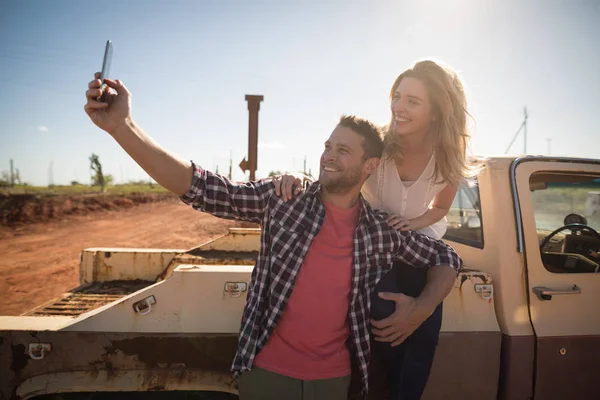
439 208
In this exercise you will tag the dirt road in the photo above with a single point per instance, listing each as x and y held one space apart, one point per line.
39 262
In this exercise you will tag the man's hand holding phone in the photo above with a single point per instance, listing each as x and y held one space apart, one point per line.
113 114
108 109
114 111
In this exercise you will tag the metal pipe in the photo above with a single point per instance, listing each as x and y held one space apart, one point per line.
253 108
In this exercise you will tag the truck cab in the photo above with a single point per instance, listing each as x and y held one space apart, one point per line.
531 224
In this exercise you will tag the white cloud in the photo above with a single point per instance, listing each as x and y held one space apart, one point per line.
42 128
273 145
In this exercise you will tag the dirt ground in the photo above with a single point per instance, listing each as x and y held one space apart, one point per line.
38 262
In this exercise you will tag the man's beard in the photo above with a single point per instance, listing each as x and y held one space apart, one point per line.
342 183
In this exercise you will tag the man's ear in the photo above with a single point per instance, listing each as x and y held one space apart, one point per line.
371 165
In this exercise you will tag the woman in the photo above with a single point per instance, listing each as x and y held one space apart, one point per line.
424 162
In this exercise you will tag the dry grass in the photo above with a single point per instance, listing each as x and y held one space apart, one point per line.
73 190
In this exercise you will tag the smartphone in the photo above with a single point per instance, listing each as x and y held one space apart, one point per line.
105 68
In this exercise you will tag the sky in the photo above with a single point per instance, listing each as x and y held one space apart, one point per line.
189 65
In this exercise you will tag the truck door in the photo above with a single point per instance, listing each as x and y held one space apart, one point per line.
558 208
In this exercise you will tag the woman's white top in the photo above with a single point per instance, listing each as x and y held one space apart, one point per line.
386 191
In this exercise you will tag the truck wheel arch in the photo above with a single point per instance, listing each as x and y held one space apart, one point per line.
125 381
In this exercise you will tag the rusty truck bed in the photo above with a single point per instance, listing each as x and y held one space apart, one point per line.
88 297
96 294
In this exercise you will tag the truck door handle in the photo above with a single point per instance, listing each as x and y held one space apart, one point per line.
543 293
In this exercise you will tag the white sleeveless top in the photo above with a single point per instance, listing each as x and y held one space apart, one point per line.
386 191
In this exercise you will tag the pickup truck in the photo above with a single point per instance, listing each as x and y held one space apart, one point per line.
522 321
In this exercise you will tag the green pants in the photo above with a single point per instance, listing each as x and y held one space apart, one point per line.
260 384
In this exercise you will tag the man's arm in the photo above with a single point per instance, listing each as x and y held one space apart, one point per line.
444 264
217 195
167 169
114 116
419 250
202 189
439 284
411 312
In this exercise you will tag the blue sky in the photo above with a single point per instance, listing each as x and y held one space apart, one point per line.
190 64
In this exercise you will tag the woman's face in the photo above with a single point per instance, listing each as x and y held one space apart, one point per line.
411 108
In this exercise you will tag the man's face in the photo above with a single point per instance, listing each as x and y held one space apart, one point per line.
342 161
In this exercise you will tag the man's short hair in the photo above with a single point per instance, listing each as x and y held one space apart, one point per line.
373 143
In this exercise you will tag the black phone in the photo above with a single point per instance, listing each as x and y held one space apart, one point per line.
108 50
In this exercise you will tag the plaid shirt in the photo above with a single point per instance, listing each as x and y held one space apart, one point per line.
287 231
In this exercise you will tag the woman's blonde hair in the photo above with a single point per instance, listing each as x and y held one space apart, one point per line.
448 125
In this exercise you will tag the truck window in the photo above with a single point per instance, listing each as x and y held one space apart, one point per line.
464 218
566 208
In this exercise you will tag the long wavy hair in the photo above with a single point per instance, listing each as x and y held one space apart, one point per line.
448 126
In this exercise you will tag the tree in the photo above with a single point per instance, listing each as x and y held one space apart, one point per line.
275 173
98 177
4 179
17 177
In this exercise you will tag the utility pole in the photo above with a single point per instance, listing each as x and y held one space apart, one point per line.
304 170
12 174
230 165
525 132
549 143
524 128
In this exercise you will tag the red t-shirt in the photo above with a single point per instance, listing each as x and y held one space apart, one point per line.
309 341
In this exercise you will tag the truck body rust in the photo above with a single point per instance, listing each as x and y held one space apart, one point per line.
105 361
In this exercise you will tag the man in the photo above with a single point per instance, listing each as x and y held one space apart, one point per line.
306 313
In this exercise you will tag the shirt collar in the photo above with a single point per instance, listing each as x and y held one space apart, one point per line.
365 214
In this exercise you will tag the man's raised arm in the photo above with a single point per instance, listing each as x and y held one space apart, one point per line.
167 169
202 189
114 116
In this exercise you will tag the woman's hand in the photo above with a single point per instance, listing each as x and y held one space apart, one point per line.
287 186
398 222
